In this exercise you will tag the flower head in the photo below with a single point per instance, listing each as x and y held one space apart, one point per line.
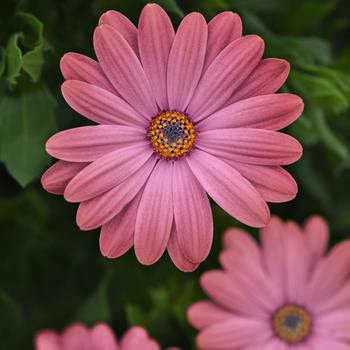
181 115
287 294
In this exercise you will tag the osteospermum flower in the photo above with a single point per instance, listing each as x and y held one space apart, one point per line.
181 115
287 294
99 337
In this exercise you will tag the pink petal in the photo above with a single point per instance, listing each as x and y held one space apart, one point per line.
186 60
76 337
222 30
57 177
117 236
47 340
241 241
123 25
204 313
272 112
269 75
107 172
137 338
229 189
155 215
102 338
192 212
176 255
124 70
224 75
100 105
274 183
156 35
79 67
317 235
88 143
97 211
328 343
252 146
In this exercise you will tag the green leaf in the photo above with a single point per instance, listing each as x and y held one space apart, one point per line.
33 29
13 58
170 6
27 120
32 62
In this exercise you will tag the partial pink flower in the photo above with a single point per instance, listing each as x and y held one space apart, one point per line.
99 337
288 293
181 115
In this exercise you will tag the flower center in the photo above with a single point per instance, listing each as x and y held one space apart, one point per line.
292 323
172 134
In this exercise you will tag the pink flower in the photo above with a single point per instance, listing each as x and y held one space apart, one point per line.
181 115
99 337
287 294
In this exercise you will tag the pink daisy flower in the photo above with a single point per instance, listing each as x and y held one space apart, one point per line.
182 115
287 294
99 337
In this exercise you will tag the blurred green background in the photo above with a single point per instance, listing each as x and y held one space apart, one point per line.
52 274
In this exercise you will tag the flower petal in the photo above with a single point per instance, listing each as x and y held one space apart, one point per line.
242 242
224 75
47 340
155 36
272 112
79 67
137 338
57 177
124 70
186 60
229 189
192 212
88 143
252 146
269 75
155 215
100 105
317 235
102 338
76 337
107 172
222 30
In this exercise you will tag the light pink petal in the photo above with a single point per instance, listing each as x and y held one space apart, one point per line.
204 313
79 67
137 338
56 178
155 215
186 60
117 236
335 324
328 343
155 36
317 234
269 75
76 337
47 340
176 255
272 112
229 189
88 143
124 70
276 344
224 75
99 105
252 146
192 211
123 25
273 182
222 30
97 211
107 172
102 338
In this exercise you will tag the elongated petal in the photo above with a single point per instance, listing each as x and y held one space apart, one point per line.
99 105
76 337
272 112
79 67
229 189
99 210
155 215
88 143
102 338
224 75
317 235
241 241
117 236
124 70
123 25
252 146
193 217
107 172
57 177
186 60
47 340
222 30
137 338
266 78
155 36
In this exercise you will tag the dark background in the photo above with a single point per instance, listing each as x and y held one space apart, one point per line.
52 274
